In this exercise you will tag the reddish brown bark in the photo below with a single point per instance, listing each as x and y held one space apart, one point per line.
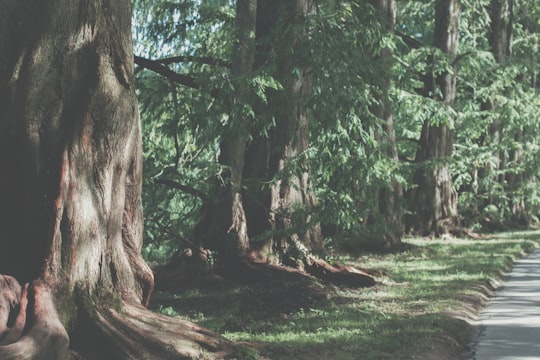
70 189
38 334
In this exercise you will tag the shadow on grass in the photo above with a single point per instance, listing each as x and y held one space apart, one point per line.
408 312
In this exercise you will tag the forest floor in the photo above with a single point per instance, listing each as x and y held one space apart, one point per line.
424 305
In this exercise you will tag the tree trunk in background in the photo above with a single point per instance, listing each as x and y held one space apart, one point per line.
70 191
500 39
434 200
228 226
276 191
282 211
390 198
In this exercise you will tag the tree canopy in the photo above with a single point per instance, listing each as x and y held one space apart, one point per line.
356 63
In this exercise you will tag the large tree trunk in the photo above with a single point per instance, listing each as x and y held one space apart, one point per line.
281 215
70 192
278 158
270 211
434 199
280 226
390 198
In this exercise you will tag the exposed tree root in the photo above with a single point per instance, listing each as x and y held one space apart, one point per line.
338 273
175 275
36 331
134 332
446 227
30 328
10 293
185 270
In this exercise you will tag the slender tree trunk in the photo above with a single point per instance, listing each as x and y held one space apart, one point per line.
233 146
500 39
71 189
389 198
434 200
224 226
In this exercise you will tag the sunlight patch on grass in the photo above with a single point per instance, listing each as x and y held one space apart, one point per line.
409 307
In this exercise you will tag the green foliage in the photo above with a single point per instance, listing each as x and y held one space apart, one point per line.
494 119
181 125
497 134
347 160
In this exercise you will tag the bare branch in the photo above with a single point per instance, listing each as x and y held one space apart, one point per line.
161 69
409 41
200 60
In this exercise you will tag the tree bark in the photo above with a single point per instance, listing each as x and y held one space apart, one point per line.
434 198
277 159
500 37
500 40
70 191
225 220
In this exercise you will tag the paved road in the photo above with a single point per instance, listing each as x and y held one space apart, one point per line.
510 324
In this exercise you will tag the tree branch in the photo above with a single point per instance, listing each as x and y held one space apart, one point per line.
161 69
409 41
187 189
202 60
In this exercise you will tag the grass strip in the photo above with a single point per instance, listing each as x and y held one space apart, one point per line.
422 307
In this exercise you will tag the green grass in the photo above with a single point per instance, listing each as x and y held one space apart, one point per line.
414 305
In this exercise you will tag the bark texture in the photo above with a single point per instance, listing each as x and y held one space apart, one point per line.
70 191
500 37
434 199
277 159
